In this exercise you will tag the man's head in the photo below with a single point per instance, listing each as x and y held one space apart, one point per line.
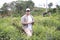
28 11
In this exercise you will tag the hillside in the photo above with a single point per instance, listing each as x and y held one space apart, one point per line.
44 28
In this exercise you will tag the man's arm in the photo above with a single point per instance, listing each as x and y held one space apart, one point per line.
32 20
22 21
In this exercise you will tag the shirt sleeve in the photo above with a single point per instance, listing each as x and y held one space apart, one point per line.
22 19
32 20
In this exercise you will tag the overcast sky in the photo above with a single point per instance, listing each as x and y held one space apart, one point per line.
38 3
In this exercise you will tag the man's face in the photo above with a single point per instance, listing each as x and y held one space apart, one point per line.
28 12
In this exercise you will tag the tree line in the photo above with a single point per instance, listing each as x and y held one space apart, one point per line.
17 8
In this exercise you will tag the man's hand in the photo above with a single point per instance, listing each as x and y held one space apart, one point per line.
29 22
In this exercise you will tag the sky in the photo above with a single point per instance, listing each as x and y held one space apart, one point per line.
38 3
42 3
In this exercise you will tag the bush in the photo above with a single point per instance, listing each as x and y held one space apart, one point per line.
44 28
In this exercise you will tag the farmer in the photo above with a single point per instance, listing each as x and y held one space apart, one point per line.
27 22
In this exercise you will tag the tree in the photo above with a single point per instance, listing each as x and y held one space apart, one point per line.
58 9
22 5
18 7
50 5
4 8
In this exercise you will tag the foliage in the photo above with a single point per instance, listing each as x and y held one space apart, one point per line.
17 7
44 28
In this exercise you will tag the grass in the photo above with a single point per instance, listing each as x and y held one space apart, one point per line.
44 28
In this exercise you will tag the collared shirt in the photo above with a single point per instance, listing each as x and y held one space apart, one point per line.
29 20
24 18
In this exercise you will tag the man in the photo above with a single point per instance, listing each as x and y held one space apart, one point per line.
27 22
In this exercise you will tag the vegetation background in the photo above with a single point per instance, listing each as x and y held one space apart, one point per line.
44 28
